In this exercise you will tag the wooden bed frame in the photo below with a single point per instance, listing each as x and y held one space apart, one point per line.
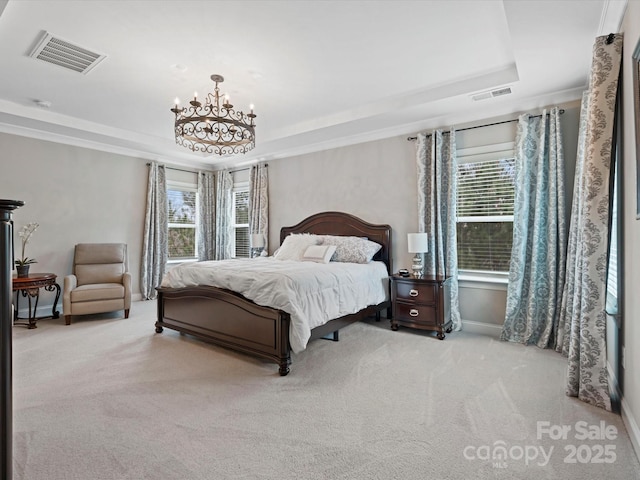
205 311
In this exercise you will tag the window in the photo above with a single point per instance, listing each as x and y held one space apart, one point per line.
182 208
485 214
241 245
613 276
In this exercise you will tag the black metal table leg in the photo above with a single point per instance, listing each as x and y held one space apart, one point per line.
49 288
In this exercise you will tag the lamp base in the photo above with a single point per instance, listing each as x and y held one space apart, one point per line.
417 266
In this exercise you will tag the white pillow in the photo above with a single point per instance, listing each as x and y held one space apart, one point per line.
352 249
319 253
295 245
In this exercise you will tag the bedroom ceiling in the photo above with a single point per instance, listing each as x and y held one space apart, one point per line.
320 73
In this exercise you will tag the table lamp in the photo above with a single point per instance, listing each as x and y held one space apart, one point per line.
418 244
257 244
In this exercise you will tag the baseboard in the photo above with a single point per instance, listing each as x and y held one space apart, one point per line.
41 311
490 329
45 310
632 426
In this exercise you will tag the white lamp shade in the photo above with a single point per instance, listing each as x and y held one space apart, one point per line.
418 242
257 240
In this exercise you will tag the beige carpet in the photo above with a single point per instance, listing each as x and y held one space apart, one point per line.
108 398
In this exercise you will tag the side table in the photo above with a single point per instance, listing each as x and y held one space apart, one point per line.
29 287
422 303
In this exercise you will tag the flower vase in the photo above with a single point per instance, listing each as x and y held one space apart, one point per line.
23 270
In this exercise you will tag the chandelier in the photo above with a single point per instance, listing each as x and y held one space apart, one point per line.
214 127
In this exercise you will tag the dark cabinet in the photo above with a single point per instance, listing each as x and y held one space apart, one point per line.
422 303
6 325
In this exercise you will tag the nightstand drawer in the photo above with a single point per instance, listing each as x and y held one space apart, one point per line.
416 292
408 312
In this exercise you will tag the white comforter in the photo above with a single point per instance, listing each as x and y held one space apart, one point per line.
312 293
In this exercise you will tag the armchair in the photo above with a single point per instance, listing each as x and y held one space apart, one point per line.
100 281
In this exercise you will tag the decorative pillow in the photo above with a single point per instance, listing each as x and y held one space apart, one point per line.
295 245
319 253
351 249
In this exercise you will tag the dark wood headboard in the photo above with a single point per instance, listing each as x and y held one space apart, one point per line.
339 223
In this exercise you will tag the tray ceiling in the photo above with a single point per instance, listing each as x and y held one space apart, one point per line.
320 73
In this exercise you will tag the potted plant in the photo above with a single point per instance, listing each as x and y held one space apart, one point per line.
23 263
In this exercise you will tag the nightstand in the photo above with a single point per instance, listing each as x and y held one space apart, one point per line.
422 303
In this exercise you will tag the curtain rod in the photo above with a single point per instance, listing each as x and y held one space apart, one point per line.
487 125
191 171
174 168
245 168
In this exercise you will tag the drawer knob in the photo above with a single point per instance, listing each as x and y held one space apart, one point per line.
413 292
413 312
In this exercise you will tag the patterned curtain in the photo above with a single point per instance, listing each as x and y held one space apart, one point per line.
259 203
537 268
154 244
207 215
223 208
437 193
582 317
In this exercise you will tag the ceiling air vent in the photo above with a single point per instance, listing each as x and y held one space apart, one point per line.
481 96
65 54
501 91
491 94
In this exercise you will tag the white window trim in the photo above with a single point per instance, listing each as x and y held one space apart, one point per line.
483 276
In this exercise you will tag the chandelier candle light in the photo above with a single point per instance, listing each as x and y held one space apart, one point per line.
213 127
418 244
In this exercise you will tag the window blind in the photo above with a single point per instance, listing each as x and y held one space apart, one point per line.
243 246
241 223
486 189
182 206
485 214
182 223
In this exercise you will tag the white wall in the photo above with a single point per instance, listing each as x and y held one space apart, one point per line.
76 195
631 317
375 181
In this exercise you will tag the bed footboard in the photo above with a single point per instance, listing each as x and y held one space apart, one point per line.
226 319
230 320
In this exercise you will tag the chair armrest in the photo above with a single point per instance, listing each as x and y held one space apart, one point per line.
126 282
70 282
